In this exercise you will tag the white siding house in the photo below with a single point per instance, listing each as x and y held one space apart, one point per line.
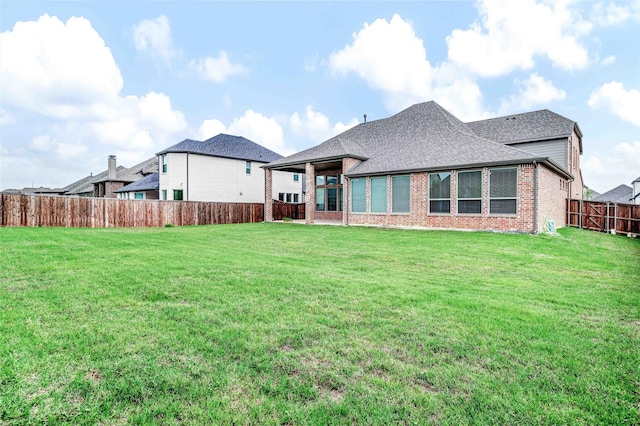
224 168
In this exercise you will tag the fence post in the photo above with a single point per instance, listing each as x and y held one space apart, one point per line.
580 216
615 218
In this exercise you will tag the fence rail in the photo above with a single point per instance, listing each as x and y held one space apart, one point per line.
41 210
600 216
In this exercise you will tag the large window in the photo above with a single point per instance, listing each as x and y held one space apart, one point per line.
400 194
379 195
320 201
177 194
503 191
358 195
327 193
470 192
440 192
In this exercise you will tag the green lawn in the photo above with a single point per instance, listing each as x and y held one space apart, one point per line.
290 324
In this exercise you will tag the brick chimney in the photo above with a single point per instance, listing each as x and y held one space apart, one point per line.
112 167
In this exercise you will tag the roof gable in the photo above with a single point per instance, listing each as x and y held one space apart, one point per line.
227 146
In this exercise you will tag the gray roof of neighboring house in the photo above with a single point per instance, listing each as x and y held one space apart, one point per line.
226 146
525 127
130 174
422 137
85 185
619 194
148 183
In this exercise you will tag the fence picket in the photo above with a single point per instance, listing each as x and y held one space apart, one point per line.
18 210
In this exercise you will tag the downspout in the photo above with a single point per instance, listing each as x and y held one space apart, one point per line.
535 198
187 198
346 196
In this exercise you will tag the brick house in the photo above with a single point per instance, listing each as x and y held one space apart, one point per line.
425 168
224 168
107 183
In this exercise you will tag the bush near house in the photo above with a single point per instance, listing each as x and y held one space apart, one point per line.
273 324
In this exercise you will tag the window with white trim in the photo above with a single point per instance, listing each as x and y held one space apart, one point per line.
164 163
503 191
470 192
439 192
139 196
247 167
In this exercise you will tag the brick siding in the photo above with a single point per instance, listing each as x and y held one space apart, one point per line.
419 216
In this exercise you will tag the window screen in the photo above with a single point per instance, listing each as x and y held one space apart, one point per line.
400 194
358 195
379 195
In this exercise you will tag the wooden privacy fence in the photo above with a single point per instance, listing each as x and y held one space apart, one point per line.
600 216
293 211
40 210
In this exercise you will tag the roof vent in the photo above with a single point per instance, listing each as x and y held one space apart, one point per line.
365 118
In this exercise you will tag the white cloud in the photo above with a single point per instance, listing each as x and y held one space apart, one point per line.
404 74
61 70
154 36
216 69
6 118
262 130
531 92
610 14
608 60
265 131
210 128
311 63
618 166
317 126
623 103
64 72
510 34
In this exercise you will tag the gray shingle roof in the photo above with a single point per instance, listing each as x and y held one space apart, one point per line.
529 126
148 183
619 194
131 174
85 185
636 180
422 137
226 146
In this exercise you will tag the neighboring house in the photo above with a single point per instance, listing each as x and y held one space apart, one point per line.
143 189
636 191
425 168
224 168
105 184
588 193
619 194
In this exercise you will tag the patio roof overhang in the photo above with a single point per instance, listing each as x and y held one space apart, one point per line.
320 164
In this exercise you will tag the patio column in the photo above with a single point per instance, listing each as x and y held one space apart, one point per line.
268 195
310 201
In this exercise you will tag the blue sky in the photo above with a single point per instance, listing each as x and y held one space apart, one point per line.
82 80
